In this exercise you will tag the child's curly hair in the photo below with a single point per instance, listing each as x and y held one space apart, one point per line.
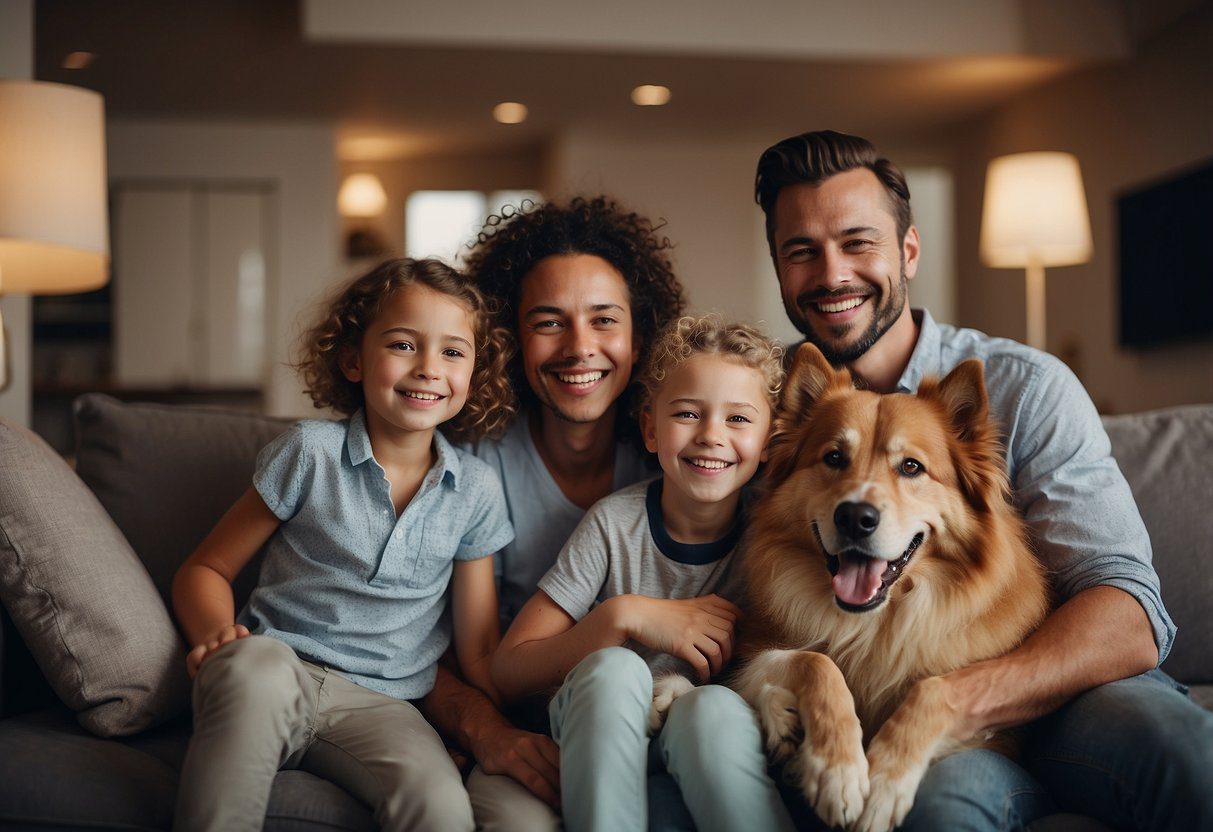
512 242
710 335
346 314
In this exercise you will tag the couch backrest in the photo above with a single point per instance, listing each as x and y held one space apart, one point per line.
1167 457
167 473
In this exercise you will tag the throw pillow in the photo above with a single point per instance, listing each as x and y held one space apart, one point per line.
78 595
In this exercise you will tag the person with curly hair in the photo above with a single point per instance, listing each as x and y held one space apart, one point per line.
366 524
585 286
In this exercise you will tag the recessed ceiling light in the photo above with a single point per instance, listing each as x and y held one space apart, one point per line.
650 95
78 60
510 112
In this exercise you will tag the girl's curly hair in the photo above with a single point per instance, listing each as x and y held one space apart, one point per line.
710 335
345 315
512 242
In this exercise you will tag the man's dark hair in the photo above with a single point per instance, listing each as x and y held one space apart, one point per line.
811 158
511 243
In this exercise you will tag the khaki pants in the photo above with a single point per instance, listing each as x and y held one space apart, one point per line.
259 708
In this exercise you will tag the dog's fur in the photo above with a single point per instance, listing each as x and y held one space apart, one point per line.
826 673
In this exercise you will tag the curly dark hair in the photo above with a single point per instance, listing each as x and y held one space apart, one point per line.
345 315
512 242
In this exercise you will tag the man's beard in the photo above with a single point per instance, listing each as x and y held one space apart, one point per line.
838 353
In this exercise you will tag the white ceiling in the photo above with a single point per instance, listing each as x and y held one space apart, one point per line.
425 89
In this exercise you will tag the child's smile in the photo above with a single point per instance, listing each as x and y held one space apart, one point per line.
708 425
415 362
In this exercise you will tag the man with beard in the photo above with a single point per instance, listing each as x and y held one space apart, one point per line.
1130 749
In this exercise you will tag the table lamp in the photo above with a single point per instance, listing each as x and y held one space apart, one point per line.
1035 215
54 232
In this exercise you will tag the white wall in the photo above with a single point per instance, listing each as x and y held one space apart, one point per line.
1129 123
17 64
301 160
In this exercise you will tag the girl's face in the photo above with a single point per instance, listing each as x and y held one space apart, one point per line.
415 361
708 425
575 335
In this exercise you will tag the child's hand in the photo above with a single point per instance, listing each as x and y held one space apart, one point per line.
195 657
699 630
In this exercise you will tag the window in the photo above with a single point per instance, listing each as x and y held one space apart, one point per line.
442 223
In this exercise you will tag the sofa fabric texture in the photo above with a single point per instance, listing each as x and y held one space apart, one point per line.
165 474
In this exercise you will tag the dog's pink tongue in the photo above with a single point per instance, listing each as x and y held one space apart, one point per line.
858 579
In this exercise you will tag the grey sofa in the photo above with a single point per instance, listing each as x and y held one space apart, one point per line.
94 707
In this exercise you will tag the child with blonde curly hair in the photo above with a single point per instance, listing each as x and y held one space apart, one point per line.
652 568
366 522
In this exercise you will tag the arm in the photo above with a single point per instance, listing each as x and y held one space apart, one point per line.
545 643
477 631
1089 534
202 587
1100 635
465 715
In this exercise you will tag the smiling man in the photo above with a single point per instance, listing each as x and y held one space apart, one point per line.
1105 741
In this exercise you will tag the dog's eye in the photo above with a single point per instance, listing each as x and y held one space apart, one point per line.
834 459
910 468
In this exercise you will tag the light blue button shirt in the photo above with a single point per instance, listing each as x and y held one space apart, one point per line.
345 582
1085 525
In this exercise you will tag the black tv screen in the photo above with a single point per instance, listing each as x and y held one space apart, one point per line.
1166 260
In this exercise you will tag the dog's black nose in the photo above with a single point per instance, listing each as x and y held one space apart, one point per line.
856 520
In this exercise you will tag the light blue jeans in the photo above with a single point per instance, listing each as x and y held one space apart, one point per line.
710 745
1133 754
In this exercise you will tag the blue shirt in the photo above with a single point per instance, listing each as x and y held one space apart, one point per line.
542 516
346 583
1085 525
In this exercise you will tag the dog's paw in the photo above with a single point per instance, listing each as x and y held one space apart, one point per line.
837 790
889 801
666 689
780 720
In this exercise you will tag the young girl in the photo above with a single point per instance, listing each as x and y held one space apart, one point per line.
367 520
651 567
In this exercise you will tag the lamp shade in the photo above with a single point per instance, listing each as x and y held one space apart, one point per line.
1035 212
361 195
54 228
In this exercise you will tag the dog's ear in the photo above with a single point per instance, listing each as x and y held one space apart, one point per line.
980 466
963 395
810 377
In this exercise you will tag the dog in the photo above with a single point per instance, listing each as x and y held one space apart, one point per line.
882 553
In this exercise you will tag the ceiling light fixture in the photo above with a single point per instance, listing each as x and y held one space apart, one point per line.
650 95
510 112
78 60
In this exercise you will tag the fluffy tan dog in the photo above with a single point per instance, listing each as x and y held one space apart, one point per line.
883 553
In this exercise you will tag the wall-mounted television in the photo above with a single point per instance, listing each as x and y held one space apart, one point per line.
1166 259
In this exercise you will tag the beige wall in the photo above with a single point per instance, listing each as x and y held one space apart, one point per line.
1128 123
300 160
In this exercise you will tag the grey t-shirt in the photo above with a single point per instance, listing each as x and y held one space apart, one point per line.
543 518
621 547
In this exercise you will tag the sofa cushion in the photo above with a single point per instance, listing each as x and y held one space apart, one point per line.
83 604
1166 456
54 775
167 473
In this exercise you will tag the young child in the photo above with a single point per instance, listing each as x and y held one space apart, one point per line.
367 522
651 568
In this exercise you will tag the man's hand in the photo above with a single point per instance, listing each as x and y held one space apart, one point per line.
699 630
195 657
531 759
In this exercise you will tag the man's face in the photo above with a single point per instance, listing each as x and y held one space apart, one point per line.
842 271
575 335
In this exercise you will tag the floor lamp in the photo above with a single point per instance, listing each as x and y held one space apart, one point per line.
1035 215
54 229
